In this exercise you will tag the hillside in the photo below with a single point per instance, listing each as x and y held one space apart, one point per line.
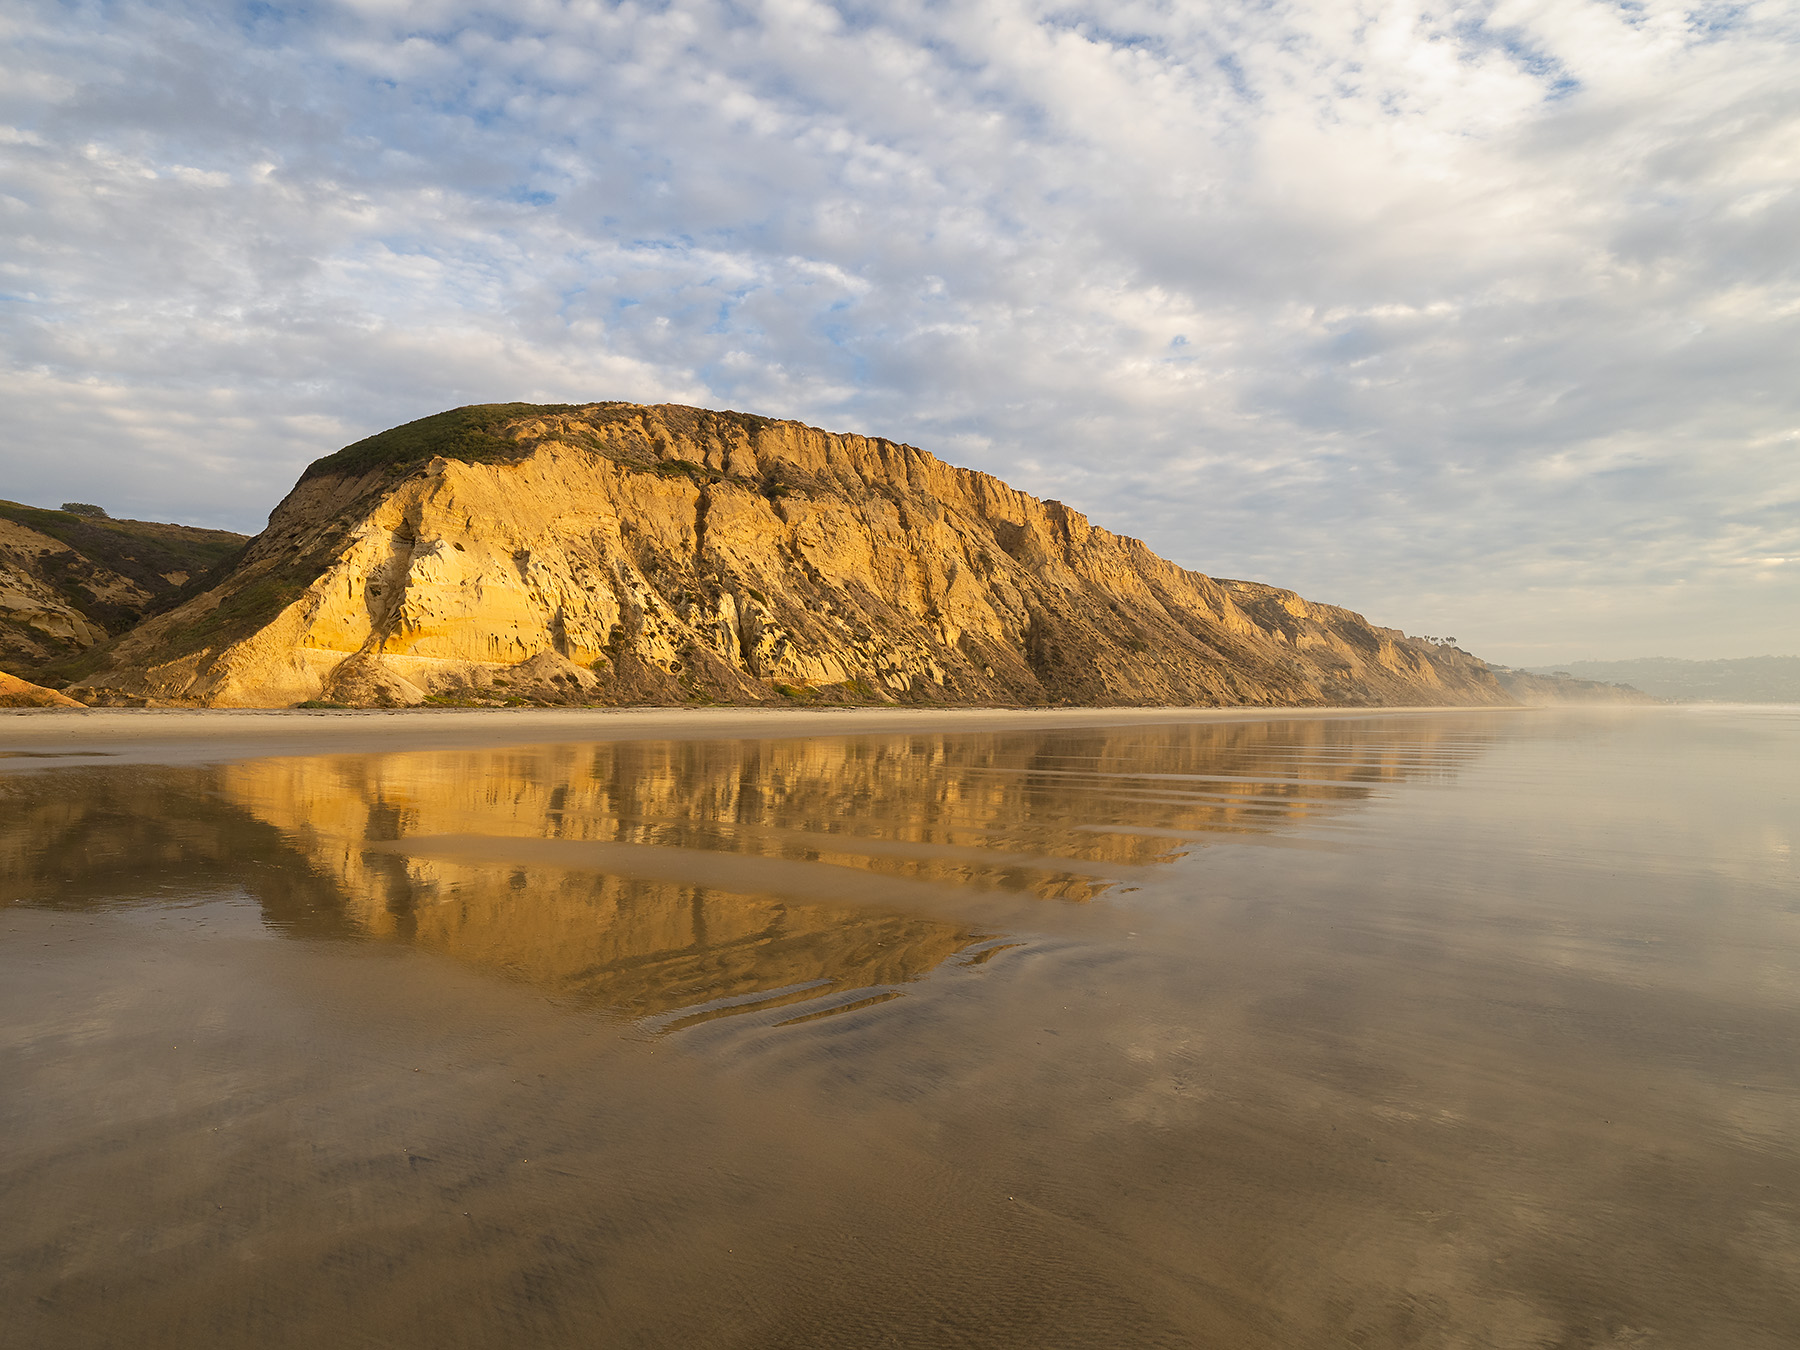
1549 690
614 553
69 582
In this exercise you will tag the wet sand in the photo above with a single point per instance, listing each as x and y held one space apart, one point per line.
179 736
1448 1029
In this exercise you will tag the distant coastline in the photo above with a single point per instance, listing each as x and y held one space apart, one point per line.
1750 679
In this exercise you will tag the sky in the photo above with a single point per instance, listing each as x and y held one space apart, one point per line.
1481 319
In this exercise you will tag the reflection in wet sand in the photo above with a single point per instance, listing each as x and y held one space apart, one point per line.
1448 1031
714 877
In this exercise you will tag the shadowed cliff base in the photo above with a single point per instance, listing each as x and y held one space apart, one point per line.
613 554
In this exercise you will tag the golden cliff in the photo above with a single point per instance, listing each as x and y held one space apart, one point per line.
613 553
17 693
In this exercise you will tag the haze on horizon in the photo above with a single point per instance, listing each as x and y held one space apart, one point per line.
1481 319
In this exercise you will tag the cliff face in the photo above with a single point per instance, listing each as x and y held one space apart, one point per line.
69 582
614 554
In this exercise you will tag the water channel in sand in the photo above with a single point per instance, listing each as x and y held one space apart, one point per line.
1451 1029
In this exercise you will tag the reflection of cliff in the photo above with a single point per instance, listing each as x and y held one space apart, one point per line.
1051 813
80 837
782 870
643 947
85 837
1056 815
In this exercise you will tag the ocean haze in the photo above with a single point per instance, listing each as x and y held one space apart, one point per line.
1754 679
1477 322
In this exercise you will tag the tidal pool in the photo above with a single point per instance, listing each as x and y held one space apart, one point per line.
1442 1029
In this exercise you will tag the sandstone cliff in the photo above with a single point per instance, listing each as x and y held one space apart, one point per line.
69 582
613 553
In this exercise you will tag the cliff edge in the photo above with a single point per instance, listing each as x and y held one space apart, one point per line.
616 553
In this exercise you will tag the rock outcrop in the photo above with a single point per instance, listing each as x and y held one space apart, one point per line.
69 582
17 693
613 553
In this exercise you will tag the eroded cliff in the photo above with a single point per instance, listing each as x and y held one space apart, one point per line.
614 553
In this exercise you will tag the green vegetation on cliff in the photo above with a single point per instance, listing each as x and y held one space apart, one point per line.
470 434
144 552
113 573
478 434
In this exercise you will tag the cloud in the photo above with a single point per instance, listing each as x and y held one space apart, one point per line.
1479 317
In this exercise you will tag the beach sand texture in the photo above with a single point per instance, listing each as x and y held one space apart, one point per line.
877 1027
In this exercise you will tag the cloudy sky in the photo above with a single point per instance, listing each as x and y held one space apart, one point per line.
1483 318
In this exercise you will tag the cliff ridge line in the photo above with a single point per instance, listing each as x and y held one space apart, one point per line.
621 553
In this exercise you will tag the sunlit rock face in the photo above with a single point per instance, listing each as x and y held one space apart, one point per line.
623 554
17 693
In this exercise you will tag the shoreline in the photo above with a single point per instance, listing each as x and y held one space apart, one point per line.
32 739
